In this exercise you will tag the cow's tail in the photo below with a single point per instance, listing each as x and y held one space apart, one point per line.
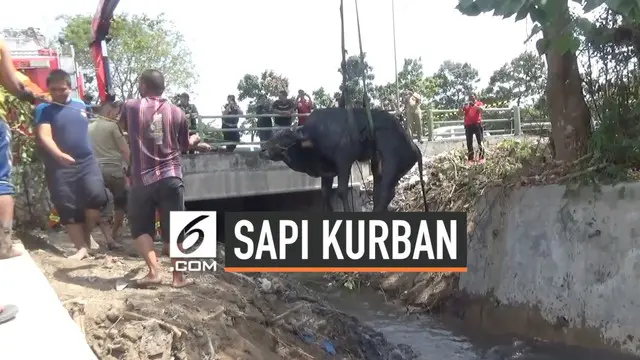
421 172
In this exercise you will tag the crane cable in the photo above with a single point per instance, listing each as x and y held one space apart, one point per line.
367 107
345 94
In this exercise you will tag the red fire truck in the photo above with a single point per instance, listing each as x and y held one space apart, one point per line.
36 61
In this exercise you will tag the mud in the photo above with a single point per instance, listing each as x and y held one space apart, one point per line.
222 316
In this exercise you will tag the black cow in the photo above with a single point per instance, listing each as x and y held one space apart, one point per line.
329 144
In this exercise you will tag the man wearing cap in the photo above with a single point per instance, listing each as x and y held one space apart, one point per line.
190 111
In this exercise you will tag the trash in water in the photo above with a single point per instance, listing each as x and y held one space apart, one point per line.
326 344
328 347
308 338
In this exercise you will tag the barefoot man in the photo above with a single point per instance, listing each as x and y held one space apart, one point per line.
111 149
71 171
158 133
10 82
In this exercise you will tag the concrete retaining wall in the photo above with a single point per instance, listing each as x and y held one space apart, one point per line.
570 258
43 328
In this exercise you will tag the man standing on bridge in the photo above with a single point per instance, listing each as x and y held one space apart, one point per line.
473 126
413 100
284 108
190 110
158 132
263 108
305 105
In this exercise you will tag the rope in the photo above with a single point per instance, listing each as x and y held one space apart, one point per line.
364 84
345 94
347 100
372 132
18 131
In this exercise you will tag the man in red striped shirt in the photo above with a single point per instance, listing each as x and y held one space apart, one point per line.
158 133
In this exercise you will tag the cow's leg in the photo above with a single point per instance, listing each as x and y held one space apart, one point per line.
344 173
387 192
326 187
388 182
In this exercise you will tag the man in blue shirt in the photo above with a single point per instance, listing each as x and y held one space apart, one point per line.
72 173
11 83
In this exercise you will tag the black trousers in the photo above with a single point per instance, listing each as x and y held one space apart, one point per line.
469 132
265 135
230 135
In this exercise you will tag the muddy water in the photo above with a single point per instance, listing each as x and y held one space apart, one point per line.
426 335
435 340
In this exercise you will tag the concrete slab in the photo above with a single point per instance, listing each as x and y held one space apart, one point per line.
43 328
243 173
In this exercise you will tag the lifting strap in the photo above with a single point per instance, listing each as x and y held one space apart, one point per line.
345 94
366 99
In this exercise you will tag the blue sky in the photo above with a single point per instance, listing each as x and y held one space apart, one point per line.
231 38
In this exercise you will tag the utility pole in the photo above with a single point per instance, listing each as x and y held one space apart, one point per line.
395 55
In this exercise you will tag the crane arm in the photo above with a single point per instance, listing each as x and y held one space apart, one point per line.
100 30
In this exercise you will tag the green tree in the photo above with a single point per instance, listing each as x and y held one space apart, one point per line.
410 77
569 114
455 81
268 83
355 90
138 42
322 99
521 81
251 86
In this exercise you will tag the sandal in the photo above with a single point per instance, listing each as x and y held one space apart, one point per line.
8 313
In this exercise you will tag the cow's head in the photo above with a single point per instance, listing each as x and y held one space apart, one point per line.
280 144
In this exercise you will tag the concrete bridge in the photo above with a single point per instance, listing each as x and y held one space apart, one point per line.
242 173
212 176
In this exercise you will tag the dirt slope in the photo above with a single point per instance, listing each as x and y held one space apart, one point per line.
223 316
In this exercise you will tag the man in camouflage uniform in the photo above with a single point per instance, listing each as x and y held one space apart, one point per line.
190 110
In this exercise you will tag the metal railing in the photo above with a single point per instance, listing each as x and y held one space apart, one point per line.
515 126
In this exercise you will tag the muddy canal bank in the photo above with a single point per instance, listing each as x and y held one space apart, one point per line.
556 262
297 316
222 316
